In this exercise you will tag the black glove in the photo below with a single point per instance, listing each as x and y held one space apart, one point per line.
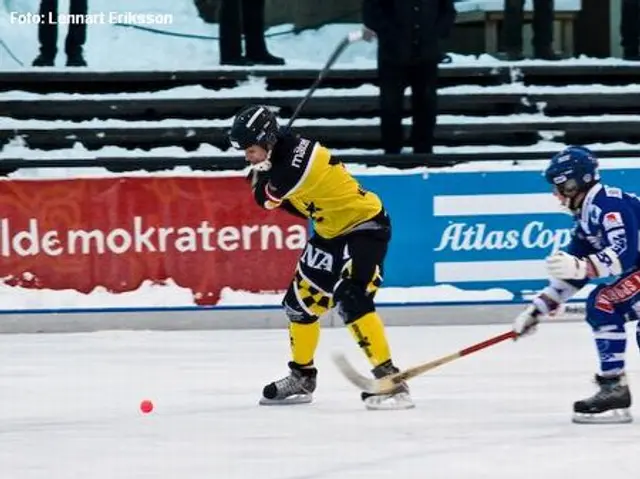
254 177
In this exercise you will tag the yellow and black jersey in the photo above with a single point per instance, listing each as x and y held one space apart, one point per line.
305 176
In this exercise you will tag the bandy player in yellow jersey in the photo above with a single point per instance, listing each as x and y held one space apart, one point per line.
341 264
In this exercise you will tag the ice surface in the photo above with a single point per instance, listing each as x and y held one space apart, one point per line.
69 409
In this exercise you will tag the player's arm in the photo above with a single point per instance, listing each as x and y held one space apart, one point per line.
619 232
556 293
376 15
264 194
560 290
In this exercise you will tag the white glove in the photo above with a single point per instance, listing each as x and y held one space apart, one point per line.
526 322
565 266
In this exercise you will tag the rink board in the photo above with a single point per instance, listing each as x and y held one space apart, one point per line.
188 239
257 318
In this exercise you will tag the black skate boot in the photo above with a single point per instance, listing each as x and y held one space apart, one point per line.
609 405
398 399
296 388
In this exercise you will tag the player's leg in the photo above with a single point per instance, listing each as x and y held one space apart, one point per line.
354 296
607 318
307 298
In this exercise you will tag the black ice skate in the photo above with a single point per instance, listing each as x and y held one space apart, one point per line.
609 405
296 388
399 398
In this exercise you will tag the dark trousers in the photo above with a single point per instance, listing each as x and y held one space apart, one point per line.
542 26
630 27
238 17
422 78
48 32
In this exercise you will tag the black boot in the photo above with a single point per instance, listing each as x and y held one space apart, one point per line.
631 54
609 405
266 58
514 55
546 54
76 60
399 398
44 60
296 388
236 61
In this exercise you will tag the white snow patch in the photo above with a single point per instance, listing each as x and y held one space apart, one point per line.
149 294
170 295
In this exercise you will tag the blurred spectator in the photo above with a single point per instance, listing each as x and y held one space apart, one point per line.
630 29
48 34
238 17
542 29
409 34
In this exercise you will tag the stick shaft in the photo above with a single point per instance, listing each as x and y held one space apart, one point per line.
423 368
332 59
489 342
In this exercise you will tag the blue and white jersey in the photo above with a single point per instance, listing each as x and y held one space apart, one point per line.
606 236
607 232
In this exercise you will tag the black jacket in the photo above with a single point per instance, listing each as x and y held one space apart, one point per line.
409 30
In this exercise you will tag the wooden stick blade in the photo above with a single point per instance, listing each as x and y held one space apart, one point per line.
370 385
354 377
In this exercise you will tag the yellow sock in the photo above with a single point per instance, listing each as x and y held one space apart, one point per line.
369 332
304 341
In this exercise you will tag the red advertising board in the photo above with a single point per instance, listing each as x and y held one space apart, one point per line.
204 233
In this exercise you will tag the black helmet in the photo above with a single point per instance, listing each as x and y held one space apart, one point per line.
254 125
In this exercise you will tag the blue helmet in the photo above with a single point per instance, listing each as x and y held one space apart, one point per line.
573 170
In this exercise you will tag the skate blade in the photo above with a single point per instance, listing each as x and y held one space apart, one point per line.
297 399
388 402
616 416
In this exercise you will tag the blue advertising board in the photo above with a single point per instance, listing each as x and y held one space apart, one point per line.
476 230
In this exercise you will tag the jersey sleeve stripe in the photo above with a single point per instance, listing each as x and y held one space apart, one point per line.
270 195
558 292
606 263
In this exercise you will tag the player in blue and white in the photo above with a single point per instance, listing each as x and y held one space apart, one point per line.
604 244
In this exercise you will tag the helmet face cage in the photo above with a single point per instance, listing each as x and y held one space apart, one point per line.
571 172
568 189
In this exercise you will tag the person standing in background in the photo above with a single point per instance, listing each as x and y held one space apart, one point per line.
238 17
409 34
48 34
630 29
542 29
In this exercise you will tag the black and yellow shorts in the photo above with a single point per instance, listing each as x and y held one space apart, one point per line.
358 256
